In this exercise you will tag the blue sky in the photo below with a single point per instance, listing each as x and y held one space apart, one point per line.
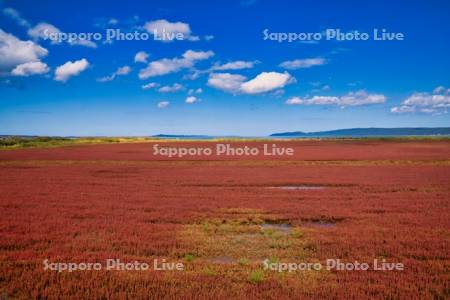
222 77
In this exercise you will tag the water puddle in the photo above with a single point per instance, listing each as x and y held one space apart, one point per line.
283 227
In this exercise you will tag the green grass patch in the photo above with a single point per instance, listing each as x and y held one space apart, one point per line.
189 257
16 142
256 276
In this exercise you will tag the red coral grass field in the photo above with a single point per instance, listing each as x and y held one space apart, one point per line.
225 219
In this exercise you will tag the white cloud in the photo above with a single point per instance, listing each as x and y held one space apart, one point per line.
197 91
295 101
441 90
434 111
324 100
85 43
15 15
191 100
171 88
125 70
402 109
437 102
194 38
30 68
235 65
226 82
361 98
141 57
14 52
163 104
43 31
164 66
113 21
166 31
303 63
350 99
171 65
197 55
46 31
69 69
425 99
209 37
150 85
193 75
317 100
266 81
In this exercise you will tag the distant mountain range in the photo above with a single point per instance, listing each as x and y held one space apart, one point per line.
368 132
181 136
351 132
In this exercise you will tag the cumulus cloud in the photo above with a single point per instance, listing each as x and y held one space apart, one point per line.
266 81
295 101
191 99
14 52
46 31
437 102
235 65
317 100
303 63
166 31
141 57
150 85
125 70
171 88
197 55
226 82
69 69
30 68
43 31
361 98
238 84
171 65
350 99
163 104
164 66
15 15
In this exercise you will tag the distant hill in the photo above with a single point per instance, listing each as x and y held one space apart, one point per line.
180 136
367 132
